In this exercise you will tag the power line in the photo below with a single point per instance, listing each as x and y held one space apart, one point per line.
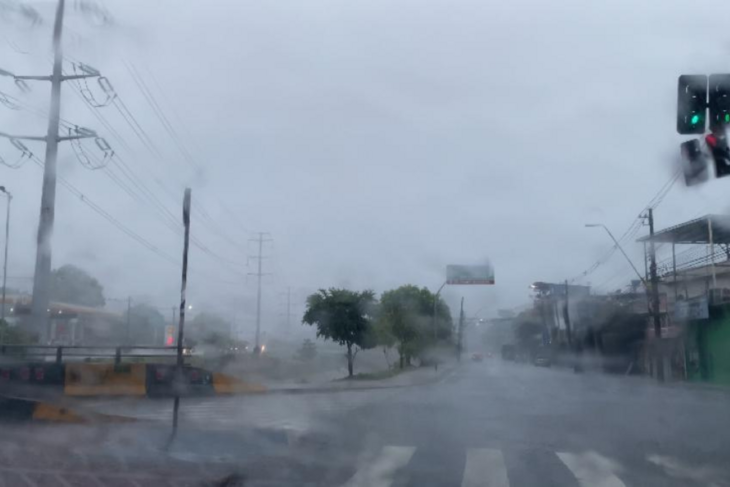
635 226
167 216
96 208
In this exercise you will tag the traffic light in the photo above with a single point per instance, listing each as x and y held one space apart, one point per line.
694 163
719 103
717 144
691 104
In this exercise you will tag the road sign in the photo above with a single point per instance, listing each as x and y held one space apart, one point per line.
469 274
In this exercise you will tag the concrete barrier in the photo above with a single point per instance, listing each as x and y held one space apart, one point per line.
225 384
16 409
161 381
105 380
44 381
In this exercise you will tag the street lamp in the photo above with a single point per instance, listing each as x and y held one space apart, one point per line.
7 235
594 225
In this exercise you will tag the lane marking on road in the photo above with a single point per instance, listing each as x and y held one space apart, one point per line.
380 472
673 467
592 469
484 468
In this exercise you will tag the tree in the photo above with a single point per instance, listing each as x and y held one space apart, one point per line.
15 335
70 284
407 312
308 351
342 316
210 329
383 337
146 324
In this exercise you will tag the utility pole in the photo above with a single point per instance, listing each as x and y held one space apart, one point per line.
566 317
655 297
259 274
7 241
181 327
42 276
461 331
288 308
129 320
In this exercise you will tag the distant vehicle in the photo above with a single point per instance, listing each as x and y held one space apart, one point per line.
509 352
542 357
477 357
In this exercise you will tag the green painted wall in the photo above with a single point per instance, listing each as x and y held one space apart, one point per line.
708 348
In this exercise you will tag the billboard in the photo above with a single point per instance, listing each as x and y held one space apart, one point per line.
469 274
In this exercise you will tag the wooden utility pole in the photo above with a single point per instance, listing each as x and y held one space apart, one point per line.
181 325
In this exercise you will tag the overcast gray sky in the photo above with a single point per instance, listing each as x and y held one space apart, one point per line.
377 141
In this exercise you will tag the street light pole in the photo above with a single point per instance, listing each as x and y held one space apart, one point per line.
593 225
435 303
7 239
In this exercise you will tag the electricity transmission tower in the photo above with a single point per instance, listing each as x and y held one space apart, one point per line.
259 274
41 280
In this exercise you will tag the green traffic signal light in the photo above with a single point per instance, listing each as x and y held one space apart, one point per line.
727 118
695 119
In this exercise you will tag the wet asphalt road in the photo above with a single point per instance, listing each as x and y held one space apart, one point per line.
484 424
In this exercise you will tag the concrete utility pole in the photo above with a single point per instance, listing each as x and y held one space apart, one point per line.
259 274
42 277
7 240
655 297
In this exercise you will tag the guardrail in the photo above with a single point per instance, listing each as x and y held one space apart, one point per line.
89 351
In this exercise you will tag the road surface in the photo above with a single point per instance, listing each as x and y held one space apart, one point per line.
485 424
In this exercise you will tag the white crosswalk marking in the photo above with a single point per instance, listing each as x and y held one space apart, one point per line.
484 468
380 472
591 469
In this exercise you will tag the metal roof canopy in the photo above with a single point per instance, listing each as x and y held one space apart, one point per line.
695 231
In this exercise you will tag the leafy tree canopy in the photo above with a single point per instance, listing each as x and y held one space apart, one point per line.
342 316
71 284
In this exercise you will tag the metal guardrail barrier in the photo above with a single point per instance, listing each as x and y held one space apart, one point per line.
89 351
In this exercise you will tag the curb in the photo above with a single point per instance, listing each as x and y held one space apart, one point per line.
18 409
329 389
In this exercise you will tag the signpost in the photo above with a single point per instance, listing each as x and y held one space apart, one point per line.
457 275
469 275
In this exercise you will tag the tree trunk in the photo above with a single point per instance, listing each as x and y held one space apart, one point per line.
350 359
401 357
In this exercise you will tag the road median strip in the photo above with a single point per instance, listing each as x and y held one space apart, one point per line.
18 409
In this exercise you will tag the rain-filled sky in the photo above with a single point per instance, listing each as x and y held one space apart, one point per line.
373 141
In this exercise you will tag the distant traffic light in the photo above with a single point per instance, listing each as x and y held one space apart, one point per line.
694 163
717 144
691 104
719 102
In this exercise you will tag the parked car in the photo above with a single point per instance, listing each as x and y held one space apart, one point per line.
509 352
477 357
